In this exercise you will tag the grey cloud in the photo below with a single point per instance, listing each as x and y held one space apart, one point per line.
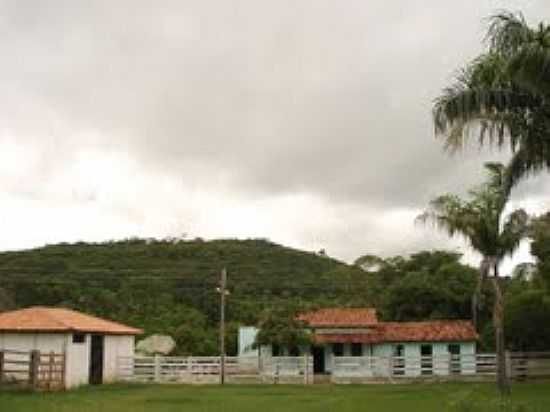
270 97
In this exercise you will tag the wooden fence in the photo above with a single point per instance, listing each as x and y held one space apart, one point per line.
442 367
299 370
193 369
32 369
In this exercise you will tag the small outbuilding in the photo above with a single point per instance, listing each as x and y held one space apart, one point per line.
91 345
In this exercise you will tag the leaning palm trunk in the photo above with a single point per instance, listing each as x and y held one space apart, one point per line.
498 322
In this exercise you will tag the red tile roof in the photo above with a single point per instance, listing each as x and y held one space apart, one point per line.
43 319
348 338
340 317
430 331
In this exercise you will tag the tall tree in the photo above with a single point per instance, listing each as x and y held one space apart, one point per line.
503 96
481 221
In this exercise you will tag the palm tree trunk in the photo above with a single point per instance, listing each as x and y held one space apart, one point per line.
503 382
475 303
484 268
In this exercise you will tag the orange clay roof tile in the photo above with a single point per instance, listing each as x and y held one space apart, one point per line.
45 319
340 317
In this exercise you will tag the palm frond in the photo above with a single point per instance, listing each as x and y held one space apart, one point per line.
530 67
514 230
503 96
507 32
478 218
493 111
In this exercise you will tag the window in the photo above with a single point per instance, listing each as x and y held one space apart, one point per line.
454 349
275 350
79 338
338 349
426 350
398 350
356 349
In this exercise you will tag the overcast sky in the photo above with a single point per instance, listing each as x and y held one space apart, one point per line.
305 122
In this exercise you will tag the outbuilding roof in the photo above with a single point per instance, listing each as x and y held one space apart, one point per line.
57 320
340 317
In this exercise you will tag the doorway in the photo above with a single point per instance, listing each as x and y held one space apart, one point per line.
96 360
318 353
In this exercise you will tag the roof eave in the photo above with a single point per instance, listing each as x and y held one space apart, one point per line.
64 331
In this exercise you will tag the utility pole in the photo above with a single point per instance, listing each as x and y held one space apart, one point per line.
223 292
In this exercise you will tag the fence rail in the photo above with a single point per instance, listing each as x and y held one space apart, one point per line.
478 366
193 369
166 369
33 369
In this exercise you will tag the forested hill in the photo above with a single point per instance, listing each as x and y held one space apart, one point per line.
169 286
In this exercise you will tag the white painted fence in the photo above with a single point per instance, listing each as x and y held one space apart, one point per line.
33 369
477 366
411 367
345 369
193 369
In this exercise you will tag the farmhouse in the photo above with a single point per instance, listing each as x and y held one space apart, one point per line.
339 333
91 345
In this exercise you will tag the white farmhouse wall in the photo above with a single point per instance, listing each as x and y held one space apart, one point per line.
77 355
247 337
78 362
328 357
113 347
44 342
26 342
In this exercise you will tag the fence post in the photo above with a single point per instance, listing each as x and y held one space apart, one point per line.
306 369
191 372
508 364
64 370
34 369
51 365
157 368
1 366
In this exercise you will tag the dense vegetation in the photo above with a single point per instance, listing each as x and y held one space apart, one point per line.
169 286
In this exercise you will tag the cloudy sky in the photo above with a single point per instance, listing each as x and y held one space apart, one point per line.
306 122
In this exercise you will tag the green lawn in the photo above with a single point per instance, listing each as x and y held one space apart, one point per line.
460 397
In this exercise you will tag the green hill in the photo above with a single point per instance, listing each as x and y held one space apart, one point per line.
167 286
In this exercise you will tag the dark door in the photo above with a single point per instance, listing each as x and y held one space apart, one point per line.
96 360
318 359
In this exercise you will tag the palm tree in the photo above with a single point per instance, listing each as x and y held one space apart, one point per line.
503 96
481 221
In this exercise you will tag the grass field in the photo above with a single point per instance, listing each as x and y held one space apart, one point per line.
377 398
